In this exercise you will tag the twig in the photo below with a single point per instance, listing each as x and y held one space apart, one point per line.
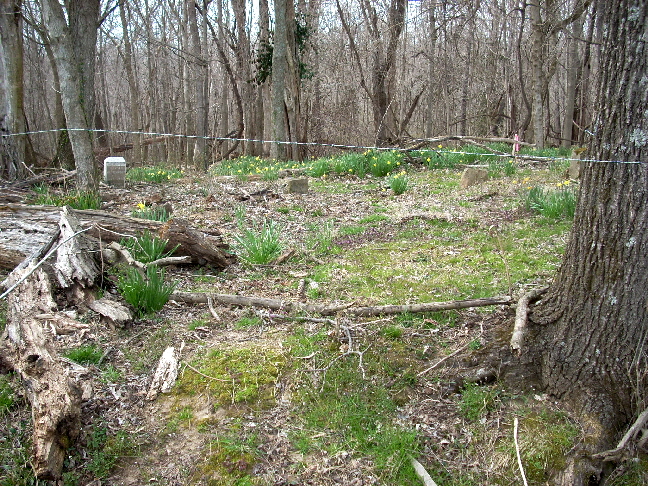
212 309
422 473
169 261
444 359
633 431
517 451
35 267
517 339
302 319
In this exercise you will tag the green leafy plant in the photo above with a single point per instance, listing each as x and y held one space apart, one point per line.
552 203
398 183
153 174
382 163
85 355
147 247
147 294
260 245
319 168
320 237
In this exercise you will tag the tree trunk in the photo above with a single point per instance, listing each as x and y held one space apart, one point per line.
134 97
286 117
573 69
537 68
12 118
592 324
199 69
73 35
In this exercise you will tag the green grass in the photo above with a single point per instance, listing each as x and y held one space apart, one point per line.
443 260
105 449
85 355
76 200
477 400
7 394
350 415
153 174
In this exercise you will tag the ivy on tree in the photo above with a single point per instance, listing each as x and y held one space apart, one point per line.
263 59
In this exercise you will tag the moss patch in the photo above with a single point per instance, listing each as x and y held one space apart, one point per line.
236 375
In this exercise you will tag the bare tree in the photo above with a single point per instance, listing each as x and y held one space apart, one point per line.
72 32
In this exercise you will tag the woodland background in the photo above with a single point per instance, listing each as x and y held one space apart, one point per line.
371 73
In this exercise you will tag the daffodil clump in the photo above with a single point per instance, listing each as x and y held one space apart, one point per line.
153 213
399 182
153 174
554 202
249 165
381 163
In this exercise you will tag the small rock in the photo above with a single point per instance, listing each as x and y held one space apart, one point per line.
297 186
473 176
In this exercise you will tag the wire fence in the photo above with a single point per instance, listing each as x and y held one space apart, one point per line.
414 141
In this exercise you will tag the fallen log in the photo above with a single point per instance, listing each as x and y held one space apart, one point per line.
27 228
55 399
275 304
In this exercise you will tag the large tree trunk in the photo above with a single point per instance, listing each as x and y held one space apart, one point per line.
73 35
592 324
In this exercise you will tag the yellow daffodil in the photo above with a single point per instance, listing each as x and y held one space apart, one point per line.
440 146
141 205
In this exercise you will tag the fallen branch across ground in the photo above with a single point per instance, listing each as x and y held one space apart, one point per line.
284 305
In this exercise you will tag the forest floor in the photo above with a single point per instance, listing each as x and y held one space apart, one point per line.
289 399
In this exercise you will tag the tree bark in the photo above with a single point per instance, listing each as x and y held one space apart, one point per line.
592 325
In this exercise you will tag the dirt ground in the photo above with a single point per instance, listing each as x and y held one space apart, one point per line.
429 405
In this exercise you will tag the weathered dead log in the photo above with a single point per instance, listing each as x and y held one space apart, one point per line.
75 262
54 398
165 374
275 304
26 228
